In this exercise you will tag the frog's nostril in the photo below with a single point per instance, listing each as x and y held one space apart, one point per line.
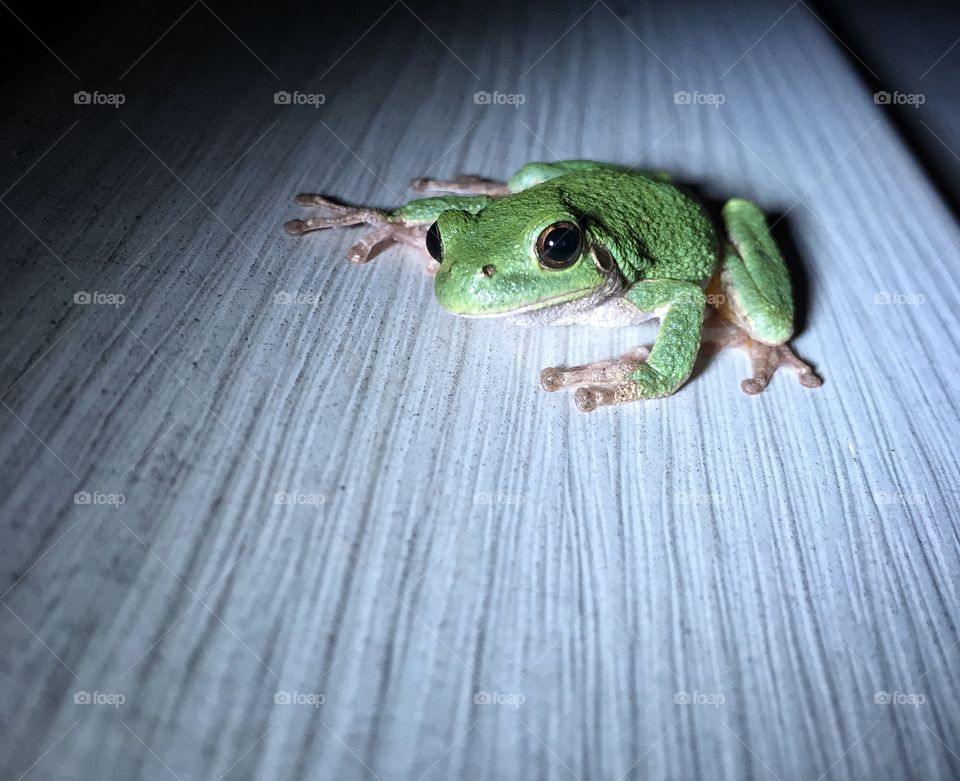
489 271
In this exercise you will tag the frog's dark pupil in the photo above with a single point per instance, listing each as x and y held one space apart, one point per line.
560 245
434 245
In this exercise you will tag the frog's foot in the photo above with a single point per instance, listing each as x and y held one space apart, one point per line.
338 215
765 359
462 185
600 383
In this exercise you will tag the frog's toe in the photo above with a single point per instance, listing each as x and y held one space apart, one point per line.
753 386
363 250
589 397
295 227
551 379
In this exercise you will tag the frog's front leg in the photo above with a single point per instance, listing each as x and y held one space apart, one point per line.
638 375
599 372
406 225
340 215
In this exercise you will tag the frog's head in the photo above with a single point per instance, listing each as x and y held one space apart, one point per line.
526 252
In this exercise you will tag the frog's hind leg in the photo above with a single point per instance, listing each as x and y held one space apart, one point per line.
753 294
461 185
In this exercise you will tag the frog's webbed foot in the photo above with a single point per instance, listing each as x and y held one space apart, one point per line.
600 383
765 359
462 185
337 215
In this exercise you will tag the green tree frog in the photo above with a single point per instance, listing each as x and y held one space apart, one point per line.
584 242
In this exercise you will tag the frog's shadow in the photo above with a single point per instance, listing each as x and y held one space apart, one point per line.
784 237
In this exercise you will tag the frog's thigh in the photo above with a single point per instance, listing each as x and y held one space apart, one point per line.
681 306
753 276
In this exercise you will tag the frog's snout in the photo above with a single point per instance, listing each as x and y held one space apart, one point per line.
465 288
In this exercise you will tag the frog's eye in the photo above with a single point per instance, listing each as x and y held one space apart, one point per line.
559 245
434 244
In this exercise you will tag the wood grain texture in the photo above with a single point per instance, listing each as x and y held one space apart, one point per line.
785 557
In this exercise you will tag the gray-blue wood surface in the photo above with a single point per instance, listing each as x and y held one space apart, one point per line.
270 516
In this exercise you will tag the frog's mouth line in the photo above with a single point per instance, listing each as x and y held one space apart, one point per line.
562 298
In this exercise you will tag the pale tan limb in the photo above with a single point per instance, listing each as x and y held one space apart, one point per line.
609 382
601 383
342 216
363 250
462 185
613 370
765 359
